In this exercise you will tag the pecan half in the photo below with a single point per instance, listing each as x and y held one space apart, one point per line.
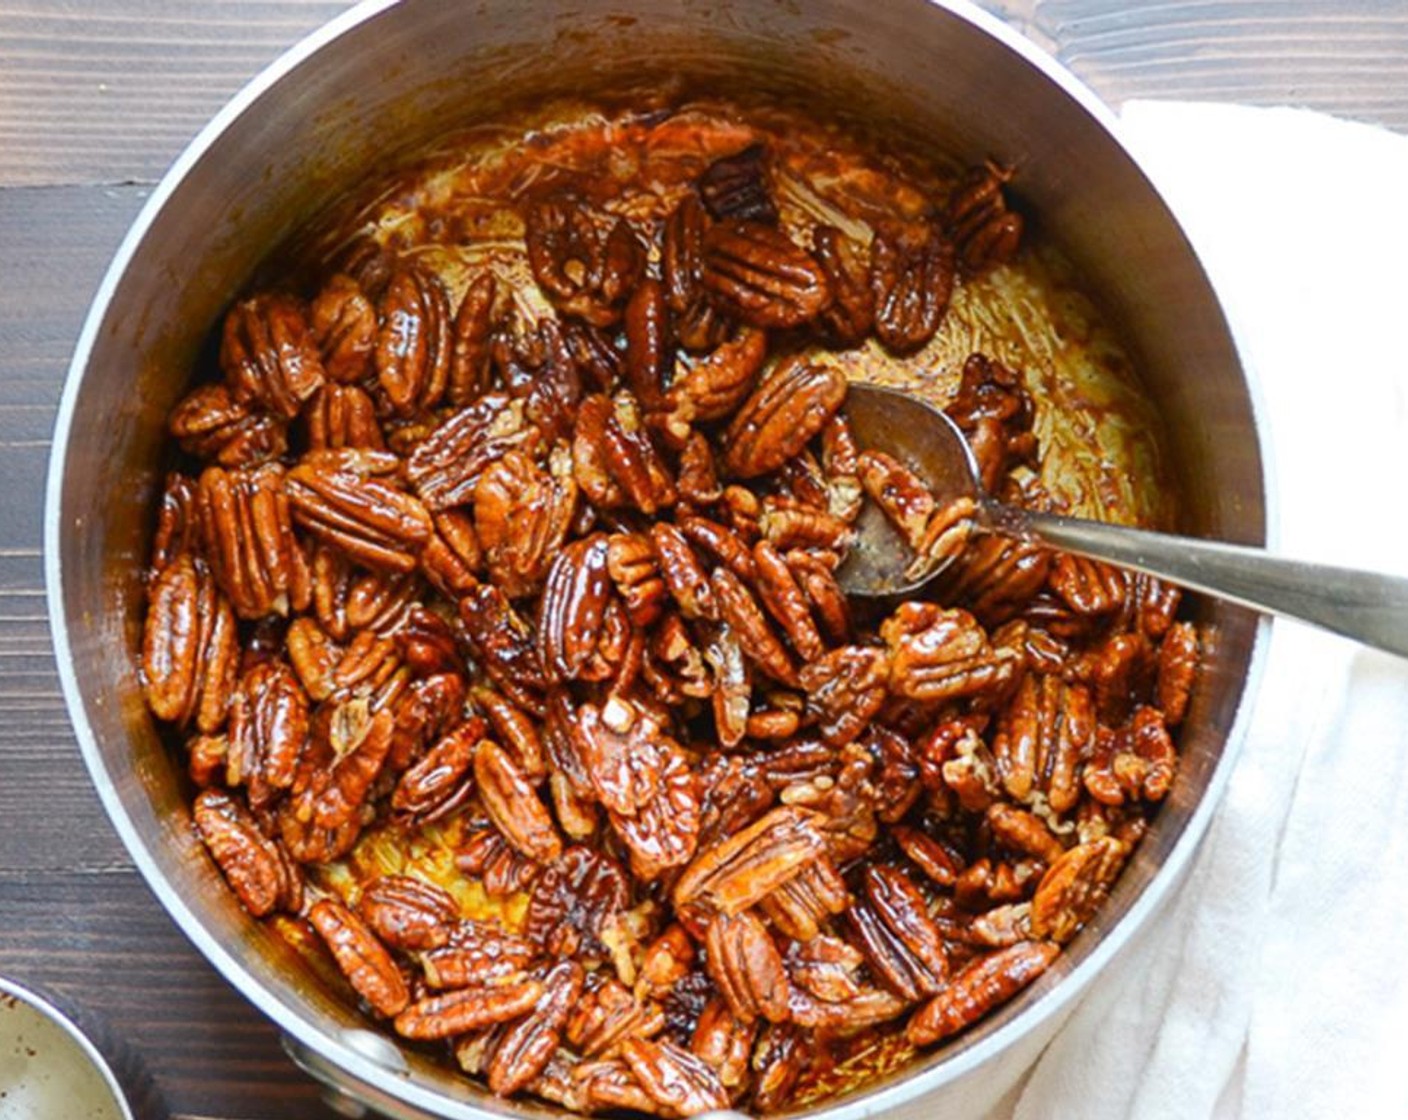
211 423
1042 736
801 906
739 608
407 913
846 688
190 647
574 901
677 1082
361 957
899 939
254 866
268 354
781 416
981 985
248 538
912 281
746 966
987 232
476 955
445 467
762 275
848 320
745 868
503 645
470 349
522 515
586 267
337 497
269 722
447 1014
513 805
938 654
343 321
523 1052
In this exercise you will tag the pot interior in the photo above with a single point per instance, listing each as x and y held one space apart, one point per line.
383 83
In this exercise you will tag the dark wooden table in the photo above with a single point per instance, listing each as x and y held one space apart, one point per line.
96 98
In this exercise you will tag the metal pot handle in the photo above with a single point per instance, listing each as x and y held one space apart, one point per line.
352 1097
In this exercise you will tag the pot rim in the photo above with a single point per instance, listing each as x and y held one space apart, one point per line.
374 1074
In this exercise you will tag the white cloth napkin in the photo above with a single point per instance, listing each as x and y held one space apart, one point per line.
1276 985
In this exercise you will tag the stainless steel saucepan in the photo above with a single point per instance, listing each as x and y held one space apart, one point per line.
388 77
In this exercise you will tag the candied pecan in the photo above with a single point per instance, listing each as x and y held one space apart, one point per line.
309 842
606 1085
607 1014
722 543
664 832
649 354
783 599
742 511
476 954
732 688
683 575
828 602
343 757
779 1060
895 781
361 957
847 320
667 960
846 688
635 571
501 871
178 524
736 186
697 481
447 1014
725 1042
792 525
574 901
782 414
826 967
1022 831
735 795
469 346
996 577
503 645
572 607
190 647
868 1009
522 1053
268 730
987 232
1137 760
677 1082
248 538
746 966
714 386
981 985
1042 738
513 805
1074 886
899 939
985 883
632 460
762 275
253 864
741 611
1121 670
744 868
801 905
211 423
445 467
343 321
1089 587
522 515
536 365
339 416
515 730
1178 667
942 654
407 913
438 776
930 856
912 280
900 493
586 269
336 496
994 410
268 354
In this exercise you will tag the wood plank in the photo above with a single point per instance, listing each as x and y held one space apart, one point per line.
94 91
1346 57
102 945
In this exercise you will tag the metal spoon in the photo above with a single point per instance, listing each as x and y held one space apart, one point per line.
1367 606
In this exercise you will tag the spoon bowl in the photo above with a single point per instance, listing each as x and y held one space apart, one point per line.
1370 607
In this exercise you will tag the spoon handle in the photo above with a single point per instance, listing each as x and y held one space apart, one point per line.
1368 606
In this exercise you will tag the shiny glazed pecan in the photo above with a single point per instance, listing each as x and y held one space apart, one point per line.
745 868
248 538
344 325
575 901
522 1053
897 936
781 416
513 805
445 467
190 647
586 264
211 423
413 341
268 354
912 282
762 275
337 496
988 233
522 515
938 654
980 986
737 186
256 868
363 959
406 913
747 967
457 1012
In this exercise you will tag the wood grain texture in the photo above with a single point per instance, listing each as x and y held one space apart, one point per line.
96 98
